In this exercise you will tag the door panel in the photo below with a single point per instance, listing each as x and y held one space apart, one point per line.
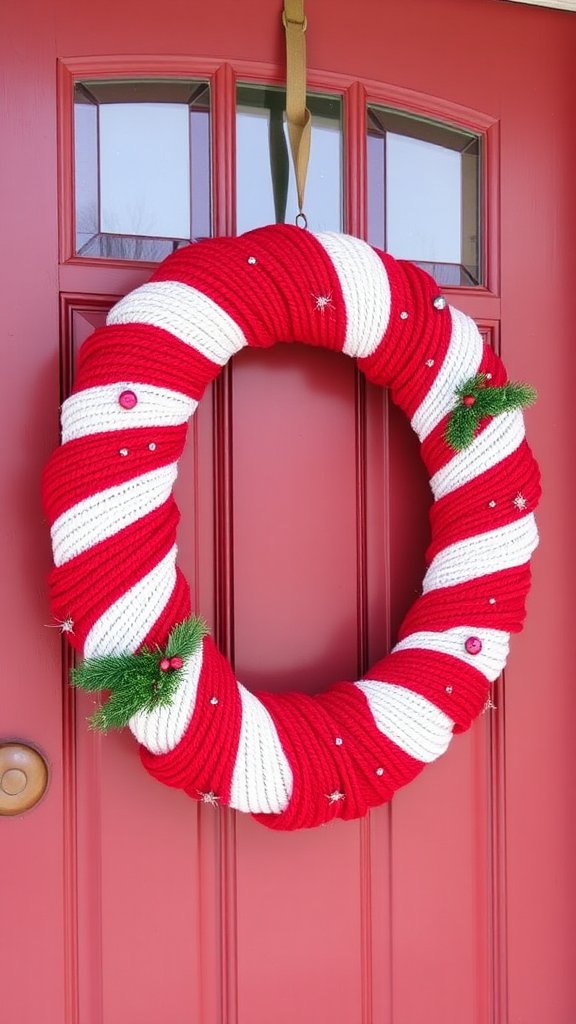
304 530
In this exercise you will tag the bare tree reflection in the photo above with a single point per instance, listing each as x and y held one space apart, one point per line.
116 246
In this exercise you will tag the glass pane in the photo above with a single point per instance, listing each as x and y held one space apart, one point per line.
266 191
424 194
144 169
86 167
142 165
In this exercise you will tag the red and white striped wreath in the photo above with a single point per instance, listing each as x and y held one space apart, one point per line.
293 760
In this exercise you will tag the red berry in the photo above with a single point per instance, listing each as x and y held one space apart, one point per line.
468 400
176 662
165 664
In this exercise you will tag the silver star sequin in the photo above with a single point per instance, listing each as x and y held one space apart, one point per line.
321 302
209 798
64 625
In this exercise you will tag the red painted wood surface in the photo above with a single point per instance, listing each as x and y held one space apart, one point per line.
123 901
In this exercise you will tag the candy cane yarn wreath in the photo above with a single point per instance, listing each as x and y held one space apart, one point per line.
292 760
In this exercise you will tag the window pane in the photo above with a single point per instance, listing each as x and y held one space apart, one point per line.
266 191
144 169
86 166
423 194
142 165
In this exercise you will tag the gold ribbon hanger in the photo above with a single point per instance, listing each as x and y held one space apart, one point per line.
298 116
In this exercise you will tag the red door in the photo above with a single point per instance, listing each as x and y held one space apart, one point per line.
304 514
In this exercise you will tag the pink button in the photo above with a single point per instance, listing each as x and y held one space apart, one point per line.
128 400
473 645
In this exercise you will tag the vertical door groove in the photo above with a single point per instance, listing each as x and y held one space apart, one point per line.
82 852
69 752
498 937
355 222
355 200
70 849
224 223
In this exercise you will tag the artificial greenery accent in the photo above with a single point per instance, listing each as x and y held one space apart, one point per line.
476 400
135 681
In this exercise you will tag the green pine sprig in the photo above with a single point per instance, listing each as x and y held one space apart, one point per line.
186 637
135 681
487 401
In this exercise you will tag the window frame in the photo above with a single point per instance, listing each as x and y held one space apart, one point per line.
223 79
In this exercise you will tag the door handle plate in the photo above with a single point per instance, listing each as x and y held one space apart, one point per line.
23 778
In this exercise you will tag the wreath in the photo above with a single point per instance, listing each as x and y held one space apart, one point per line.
292 760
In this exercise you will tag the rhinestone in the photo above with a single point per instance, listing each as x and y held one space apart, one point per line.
430 363
492 504
152 446
488 376
338 741
127 399
491 600
123 451
403 315
379 771
449 689
473 645
439 302
252 260
214 700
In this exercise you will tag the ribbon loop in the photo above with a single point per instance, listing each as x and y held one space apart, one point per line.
297 114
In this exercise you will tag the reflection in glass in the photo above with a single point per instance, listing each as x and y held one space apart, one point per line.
142 167
265 187
423 194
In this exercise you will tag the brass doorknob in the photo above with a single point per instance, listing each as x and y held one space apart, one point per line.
23 777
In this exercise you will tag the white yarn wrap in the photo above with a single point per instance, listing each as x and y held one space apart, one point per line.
185 313
105 513
365 289
96 410
500 438
461 362
507 547
126 623
262 777
162 730
411 721
491 659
